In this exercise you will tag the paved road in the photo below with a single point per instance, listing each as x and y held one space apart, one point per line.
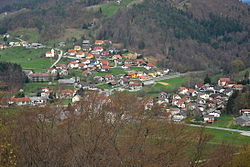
242 132
59 58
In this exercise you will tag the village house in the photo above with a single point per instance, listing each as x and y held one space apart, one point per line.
135 84
64 73
77 48
223 81
149 66
85 61
20 101
82 66
179 117
124 81
105 68
86 73
244 119
50 54
46 94
99 42
98 49
105 53
65 94
104 62
52 71
80 55
115 57
108 77
70 81
42 77
183 90
208 119
238 87
1 46
37 100
61 66
192 92
71 52
73 65
182 102
90 56
163 98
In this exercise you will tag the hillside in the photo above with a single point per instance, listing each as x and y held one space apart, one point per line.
183 35
189 35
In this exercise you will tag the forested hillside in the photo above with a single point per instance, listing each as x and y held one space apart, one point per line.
181 34
11 75
51 17
188 35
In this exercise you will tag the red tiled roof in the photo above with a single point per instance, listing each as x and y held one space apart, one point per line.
71 51
67 91
73 63
245 110
105 67
238 86
182 100
98 48
104 62
80 53
191 90
181 88
20 99
108 76
199 85
150 65
224 79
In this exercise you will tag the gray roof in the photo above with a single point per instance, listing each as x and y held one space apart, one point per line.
66 81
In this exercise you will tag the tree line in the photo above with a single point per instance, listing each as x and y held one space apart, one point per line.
106 132
12 75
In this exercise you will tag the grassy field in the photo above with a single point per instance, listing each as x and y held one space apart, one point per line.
32 87
104 86
155 89
112 71
226 121
138 69
27 58
30 35
110 8
173 83
67 36
233 138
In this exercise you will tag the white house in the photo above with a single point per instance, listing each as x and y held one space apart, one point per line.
73 65
50 54
80 55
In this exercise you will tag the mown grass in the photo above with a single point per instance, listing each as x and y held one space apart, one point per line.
27 58
139 69
30 35
112 71
32 87
104 86
110 8
233 138
227 121
155 89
